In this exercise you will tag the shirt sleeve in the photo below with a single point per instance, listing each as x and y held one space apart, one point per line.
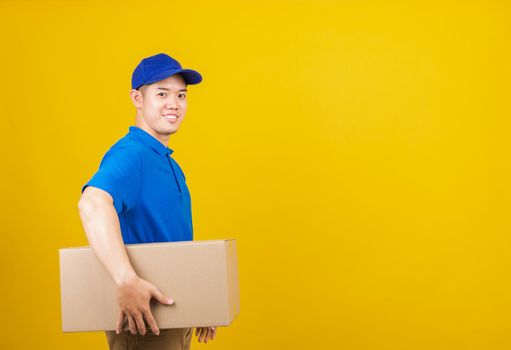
119 174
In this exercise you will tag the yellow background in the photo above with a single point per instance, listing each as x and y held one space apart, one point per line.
358 150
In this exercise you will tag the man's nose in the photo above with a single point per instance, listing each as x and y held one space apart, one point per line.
171 103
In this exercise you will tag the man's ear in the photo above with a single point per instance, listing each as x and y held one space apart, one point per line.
136 98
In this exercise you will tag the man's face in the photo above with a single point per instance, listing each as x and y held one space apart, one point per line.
162 106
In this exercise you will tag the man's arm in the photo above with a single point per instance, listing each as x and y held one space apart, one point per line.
101 225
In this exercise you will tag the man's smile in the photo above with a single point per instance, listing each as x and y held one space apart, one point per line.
170 117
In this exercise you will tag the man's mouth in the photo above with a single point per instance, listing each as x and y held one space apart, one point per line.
171 117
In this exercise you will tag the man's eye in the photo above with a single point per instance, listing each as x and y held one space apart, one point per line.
182 95
161 94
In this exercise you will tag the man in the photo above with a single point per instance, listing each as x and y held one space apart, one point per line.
139 195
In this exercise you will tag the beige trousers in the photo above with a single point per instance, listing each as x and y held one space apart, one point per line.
169 339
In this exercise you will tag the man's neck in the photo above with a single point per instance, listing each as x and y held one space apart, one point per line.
164 139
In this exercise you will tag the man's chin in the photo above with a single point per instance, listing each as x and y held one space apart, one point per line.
168 131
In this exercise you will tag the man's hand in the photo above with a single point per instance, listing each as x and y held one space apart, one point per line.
134 295
205 333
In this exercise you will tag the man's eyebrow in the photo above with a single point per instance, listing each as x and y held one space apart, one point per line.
166 89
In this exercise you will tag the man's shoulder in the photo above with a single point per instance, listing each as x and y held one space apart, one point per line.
127 145
126 148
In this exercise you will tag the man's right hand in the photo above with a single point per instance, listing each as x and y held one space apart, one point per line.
101 224
134 295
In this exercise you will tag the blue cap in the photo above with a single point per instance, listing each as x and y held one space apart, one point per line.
158 67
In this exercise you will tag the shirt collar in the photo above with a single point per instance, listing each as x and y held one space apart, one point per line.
149 140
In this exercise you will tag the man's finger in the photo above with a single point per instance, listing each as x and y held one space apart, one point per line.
120 322
131 324
197 331
162 298
208 334
202 335
152 323
214 333
140 324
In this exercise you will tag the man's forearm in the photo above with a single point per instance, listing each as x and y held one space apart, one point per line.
102 228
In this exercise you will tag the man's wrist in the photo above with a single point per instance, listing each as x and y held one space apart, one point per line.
124 277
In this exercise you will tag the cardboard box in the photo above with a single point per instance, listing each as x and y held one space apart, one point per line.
200 276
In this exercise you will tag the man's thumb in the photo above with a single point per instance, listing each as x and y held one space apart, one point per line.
162 298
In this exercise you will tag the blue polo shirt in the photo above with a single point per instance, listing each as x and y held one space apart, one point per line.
148 189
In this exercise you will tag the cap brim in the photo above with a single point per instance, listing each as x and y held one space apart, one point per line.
190 76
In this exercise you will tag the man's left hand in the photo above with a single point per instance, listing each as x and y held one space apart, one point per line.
205 333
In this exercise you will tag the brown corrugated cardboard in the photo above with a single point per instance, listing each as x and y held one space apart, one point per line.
200 276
